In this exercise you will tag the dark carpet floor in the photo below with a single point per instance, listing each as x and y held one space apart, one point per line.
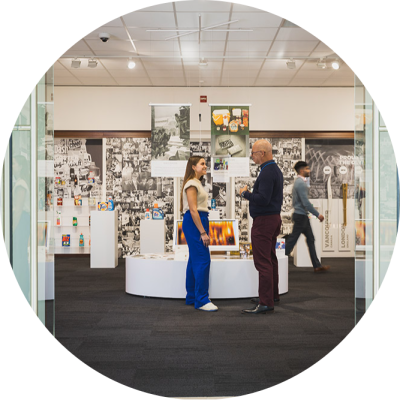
166 348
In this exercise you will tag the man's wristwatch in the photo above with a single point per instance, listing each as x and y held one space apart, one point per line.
242 194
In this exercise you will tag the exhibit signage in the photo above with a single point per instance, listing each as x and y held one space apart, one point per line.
230 138
170 139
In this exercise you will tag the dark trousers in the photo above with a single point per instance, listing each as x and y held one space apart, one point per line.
302 226
198 266
264 232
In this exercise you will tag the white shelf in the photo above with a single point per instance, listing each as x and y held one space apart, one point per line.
71 250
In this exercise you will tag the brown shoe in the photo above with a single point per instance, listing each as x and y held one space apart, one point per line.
322 268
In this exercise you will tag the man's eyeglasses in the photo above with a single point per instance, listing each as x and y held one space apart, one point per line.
254 152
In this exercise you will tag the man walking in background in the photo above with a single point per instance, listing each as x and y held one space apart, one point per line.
265 203
300 218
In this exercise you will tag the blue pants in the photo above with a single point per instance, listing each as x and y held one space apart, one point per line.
198 267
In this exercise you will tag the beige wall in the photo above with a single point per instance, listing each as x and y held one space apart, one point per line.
127 108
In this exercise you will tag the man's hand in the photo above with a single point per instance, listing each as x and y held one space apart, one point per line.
243 190
321 217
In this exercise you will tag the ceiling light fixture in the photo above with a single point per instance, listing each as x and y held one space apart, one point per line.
291 64
203 62
75 63
92 64
335 64
131 64
321 64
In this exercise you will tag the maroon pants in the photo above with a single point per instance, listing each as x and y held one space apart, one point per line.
264 232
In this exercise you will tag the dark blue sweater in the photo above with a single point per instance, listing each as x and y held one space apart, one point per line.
267 195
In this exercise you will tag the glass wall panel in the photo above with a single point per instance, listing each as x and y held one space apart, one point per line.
377 199
20 200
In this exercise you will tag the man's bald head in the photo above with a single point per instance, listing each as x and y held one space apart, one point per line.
262 151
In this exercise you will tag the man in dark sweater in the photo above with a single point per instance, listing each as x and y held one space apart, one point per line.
265 204
302 207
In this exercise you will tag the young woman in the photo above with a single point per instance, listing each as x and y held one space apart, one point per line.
196 228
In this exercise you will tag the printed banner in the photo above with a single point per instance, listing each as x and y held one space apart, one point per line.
328 226
170 139
230 138
346 232
332 163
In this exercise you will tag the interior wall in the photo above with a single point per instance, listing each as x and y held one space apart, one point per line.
127 108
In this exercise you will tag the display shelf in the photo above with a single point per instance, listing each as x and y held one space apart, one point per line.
70 250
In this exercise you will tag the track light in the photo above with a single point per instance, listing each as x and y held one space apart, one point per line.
335 64
291 64
203 62
92 64
75 63
321 64
131 64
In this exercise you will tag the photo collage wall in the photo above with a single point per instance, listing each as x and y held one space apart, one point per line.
133 190
74 161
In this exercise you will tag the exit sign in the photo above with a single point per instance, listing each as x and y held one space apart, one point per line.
203 99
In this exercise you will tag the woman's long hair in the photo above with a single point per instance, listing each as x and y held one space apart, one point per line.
190 174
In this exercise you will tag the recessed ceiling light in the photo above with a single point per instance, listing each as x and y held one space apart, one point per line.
75 63
291 64
131 64
335 64
92 64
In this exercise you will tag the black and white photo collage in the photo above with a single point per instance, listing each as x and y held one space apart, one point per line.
286 152
133 190
74 165
215 190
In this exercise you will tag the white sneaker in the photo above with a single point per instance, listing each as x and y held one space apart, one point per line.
209 307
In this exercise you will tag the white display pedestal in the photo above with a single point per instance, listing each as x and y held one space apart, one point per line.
104 239
152 236
230 277
213 214
301 256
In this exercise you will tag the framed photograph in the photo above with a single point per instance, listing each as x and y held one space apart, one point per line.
224 235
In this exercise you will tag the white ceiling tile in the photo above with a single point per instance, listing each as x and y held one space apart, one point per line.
90 73
245 56
58 65
256 34
242 65
120 63
278 65
66 62
321 54
115 45
156 45
114 22
256 20
198 6
77 53
288 54
205 36
236 82
62 73
116 33
158 8
65 81
294 45
241 8
117 53
81 45
205 46
194 66
322 47
152 20
249 46
352 45
191 20
155 65
338 33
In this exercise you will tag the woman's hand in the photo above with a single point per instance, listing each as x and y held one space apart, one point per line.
206 239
